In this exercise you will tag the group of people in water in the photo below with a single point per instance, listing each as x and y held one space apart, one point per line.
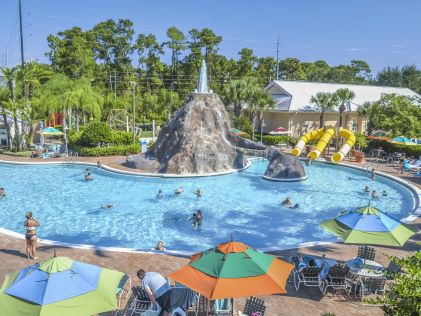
178 192
374 193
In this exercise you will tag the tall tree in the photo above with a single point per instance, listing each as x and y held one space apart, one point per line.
258 101
343 96
246 63
9 75
324 102
177 44
291 69
71 53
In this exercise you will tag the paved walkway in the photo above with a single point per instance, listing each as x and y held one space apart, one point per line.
305 302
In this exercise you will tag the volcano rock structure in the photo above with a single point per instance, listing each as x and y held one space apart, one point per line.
197 141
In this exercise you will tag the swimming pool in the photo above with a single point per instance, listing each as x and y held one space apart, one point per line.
241 204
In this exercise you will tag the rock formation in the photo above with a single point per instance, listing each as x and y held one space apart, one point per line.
197 141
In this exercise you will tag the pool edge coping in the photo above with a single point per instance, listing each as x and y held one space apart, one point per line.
416 213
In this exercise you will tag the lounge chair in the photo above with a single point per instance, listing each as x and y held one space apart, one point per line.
203 306
253 305
309 276
392 270
366 252
140 301
336 278
371 285
121 290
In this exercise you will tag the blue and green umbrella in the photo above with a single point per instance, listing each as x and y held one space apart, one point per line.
369 225
59 286
401 140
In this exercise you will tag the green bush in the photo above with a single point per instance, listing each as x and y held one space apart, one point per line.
273 139
242 123
109 151
96 134
409 151
121 138
73 137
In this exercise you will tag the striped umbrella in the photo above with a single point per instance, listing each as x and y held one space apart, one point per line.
368 225
401 140
233 270
59 286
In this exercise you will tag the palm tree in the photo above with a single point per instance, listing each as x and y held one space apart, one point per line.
4 96
257 103
343 96
324 102
237 92
15 108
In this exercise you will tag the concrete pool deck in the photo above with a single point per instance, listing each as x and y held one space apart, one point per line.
305 302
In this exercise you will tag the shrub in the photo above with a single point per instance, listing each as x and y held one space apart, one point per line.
73 137
414 150
121 138
242 123
110 151
96 133
273 139
403 295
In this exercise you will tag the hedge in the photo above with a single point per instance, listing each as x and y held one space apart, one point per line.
409 151
123 150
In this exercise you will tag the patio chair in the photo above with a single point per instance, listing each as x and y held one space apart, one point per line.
140 301
366 286
310 276
296 262
253 305
392 270
335 278
222 307
366 252
121 290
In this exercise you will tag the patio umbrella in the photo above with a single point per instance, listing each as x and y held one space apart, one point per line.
233 270
280 131
401 140
237 132
59 286
50 131
368 225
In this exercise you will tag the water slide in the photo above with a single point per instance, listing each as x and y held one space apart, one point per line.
321 145
296 151
325 136
349 142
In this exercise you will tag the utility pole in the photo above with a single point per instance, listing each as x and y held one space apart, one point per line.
134 109
277 59
22 58
115 85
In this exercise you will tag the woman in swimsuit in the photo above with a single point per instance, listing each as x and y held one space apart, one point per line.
31 236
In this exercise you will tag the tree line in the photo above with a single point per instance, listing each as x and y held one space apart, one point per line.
110 67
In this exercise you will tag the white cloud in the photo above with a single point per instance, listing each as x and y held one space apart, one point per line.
354 49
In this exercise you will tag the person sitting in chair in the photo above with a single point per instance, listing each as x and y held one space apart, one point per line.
158 290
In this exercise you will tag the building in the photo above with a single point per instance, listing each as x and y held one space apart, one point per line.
294 111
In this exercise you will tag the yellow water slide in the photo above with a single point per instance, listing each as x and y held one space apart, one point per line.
321 145
305 139
349 142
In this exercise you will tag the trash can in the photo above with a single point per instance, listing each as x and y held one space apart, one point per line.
143 146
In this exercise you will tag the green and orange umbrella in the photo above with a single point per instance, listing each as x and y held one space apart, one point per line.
233 270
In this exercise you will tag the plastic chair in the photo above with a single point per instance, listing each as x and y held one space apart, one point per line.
336 278
253 305
366 252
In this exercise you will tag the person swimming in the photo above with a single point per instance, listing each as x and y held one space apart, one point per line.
296 206
385 193
194 220
374 194
87 171
160 194
107 206
160 246
88 177
2 192
366 189
198 193
179 191
98 164
287 202
373 174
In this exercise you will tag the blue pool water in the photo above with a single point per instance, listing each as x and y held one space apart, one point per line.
242 204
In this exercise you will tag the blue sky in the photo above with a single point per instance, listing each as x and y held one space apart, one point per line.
382 32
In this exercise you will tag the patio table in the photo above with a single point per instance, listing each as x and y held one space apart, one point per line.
369 268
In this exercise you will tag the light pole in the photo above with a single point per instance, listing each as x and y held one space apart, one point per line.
261 130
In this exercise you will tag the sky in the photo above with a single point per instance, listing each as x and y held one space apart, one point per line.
381 32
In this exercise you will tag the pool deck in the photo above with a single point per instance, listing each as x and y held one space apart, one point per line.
308 301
